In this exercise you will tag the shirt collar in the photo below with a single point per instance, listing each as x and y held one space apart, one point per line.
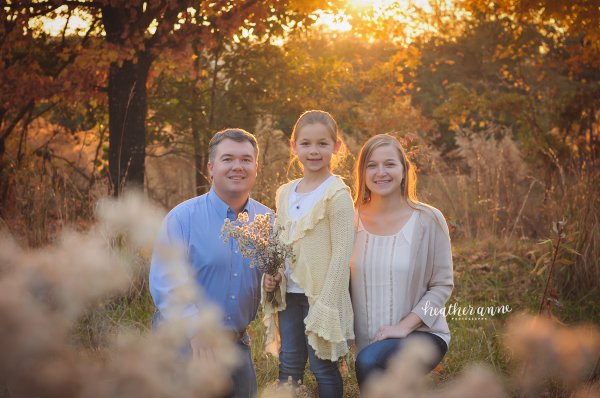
221 207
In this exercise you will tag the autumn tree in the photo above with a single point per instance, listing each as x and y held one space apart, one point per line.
37 73
137 32
569 44
244 81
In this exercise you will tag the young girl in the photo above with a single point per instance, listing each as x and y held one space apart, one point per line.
401 263
317 214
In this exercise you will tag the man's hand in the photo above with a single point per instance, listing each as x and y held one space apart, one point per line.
270 282
201 351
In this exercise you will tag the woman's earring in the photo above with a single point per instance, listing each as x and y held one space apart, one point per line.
402 183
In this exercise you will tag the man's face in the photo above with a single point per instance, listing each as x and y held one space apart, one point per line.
234 168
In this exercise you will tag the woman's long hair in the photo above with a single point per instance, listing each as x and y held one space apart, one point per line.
409 183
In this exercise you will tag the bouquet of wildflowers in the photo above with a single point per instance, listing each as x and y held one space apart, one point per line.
260 241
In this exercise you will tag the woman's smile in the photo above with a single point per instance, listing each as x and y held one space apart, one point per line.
383 182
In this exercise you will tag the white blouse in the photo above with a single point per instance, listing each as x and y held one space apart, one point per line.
379 281
300 205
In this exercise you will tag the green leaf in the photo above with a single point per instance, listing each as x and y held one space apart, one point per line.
565 261
544 241
554 227
539 261
542 269
569 248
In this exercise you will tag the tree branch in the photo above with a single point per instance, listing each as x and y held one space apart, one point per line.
91 182
168 20
49 140
74 55
52 5
70 163
44 111
62 42
47 7
147 17
84 3
171 16
20 115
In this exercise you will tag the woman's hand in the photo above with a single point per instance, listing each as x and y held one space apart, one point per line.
270 282
401 330
391 332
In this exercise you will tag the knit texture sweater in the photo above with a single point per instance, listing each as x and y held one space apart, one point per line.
322 242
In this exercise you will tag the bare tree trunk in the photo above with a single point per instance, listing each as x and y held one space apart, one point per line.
127 106
200 160
199 140
127 125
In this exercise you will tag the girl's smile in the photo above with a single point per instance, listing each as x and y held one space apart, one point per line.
315 148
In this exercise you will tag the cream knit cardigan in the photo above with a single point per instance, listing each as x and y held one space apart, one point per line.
322 242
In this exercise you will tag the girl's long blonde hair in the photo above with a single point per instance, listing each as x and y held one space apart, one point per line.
409 183
324 118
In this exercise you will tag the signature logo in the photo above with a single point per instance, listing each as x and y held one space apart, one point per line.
466 313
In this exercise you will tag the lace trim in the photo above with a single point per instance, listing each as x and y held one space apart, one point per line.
310 220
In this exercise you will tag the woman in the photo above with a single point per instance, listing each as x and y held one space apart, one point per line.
401 268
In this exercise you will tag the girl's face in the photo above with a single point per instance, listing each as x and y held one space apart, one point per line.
315 147
384 172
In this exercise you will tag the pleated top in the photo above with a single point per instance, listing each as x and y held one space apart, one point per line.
379 281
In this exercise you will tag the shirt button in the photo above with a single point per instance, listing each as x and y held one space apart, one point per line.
234 274
229 318
233 297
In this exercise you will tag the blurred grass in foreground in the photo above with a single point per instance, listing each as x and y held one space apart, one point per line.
488 272
497 210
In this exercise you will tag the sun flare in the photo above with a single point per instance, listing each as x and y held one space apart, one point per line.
399 10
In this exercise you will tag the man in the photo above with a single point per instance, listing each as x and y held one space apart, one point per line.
224 276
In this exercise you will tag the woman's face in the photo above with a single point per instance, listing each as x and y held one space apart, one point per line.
384 172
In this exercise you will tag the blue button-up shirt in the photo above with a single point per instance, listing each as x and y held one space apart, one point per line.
193 230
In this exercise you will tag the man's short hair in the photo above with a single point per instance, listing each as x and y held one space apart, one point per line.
237 135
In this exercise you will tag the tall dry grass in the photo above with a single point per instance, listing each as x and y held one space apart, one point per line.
486 188
45 199
82 328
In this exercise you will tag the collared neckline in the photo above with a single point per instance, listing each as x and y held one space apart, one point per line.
221 207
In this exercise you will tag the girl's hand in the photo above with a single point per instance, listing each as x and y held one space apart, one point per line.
270 282
391 332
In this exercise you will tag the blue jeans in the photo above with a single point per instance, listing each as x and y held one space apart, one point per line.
243 379
295 350
375 357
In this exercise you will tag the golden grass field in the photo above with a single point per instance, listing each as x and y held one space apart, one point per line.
498 213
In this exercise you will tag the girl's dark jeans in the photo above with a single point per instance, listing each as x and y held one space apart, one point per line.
295 350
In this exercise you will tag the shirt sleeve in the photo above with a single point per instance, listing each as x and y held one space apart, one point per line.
169 280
